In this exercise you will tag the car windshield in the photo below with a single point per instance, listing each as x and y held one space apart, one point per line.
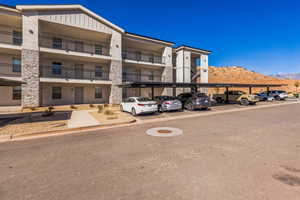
281 91
143 99
167 98
201 95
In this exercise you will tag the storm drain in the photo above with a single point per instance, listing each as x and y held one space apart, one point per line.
164 132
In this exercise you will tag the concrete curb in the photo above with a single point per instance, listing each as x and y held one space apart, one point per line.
126 124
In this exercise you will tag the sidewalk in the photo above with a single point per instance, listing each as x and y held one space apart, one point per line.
82 118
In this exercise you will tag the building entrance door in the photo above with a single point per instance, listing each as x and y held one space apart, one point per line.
78 95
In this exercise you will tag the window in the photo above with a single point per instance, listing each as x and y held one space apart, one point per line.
17 93
79 46
98 49
56 68
56 92
98 92
138 55
16 65
98 71
151 76
57 43
17 38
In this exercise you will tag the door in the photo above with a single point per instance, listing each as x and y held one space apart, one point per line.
78 71
78 95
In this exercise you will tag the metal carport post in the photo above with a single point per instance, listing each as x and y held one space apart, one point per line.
227 96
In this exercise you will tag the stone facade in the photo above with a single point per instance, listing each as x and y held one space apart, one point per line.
30 76
116 77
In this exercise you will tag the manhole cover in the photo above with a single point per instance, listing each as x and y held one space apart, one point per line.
164 132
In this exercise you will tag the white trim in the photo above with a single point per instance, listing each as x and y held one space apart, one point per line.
144 38
69 7
195 50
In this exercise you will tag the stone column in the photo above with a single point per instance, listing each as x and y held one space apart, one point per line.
167 75
115 73
30 59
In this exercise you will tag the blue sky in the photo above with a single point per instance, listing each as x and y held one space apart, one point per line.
261 35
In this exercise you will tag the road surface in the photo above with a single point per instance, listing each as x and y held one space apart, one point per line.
245 155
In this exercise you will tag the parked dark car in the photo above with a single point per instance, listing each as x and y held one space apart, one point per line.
167 103
192 101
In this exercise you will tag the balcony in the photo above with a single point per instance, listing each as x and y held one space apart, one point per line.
59 43
11 38
140 77
10 70
143 57
72 72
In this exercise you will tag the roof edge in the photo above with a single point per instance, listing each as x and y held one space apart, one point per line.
149 38
9 8
70 6
193 49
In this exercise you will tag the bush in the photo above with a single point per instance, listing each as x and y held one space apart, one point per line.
92 105
108 112
48 113
32 108
73 107
106 105
296 95
100 108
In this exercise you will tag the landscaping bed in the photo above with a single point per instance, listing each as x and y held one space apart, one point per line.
35 123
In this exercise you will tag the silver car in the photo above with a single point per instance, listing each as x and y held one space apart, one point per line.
167 103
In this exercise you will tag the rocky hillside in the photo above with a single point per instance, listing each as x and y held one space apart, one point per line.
235 74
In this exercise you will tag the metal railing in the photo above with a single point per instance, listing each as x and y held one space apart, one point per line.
10 70
145 57
56 42
140 77
14 37
72 72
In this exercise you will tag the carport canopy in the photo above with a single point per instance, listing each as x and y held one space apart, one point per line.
153 85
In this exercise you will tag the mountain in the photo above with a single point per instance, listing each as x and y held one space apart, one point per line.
295 76
237 74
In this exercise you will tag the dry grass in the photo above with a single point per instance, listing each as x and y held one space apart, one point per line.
35 123
116 117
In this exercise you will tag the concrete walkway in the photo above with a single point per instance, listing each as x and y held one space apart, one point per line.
82 118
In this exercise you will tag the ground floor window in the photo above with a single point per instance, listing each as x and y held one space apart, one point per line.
17 93
98 93
56 92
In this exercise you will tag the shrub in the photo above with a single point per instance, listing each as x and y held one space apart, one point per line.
108 112
73 107
48 112
296 95
92 105
32 108
106 105
100 108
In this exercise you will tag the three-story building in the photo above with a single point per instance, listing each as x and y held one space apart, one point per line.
66 54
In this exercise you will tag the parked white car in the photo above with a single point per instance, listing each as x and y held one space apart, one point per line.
138 105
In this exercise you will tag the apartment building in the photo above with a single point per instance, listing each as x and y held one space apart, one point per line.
66 54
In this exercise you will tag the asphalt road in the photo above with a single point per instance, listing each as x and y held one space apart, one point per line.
244 155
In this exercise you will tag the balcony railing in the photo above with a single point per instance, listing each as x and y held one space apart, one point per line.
144 57
10 70
14 37
140 77
72 72
73 45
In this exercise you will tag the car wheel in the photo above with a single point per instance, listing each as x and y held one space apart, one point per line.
190 107
133 112
219 100
244 102
277 98
160 109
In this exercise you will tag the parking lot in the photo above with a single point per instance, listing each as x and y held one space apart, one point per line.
218 107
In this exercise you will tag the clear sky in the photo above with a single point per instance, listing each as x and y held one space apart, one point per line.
261 35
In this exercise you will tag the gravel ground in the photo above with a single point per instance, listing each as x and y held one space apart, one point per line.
36 123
